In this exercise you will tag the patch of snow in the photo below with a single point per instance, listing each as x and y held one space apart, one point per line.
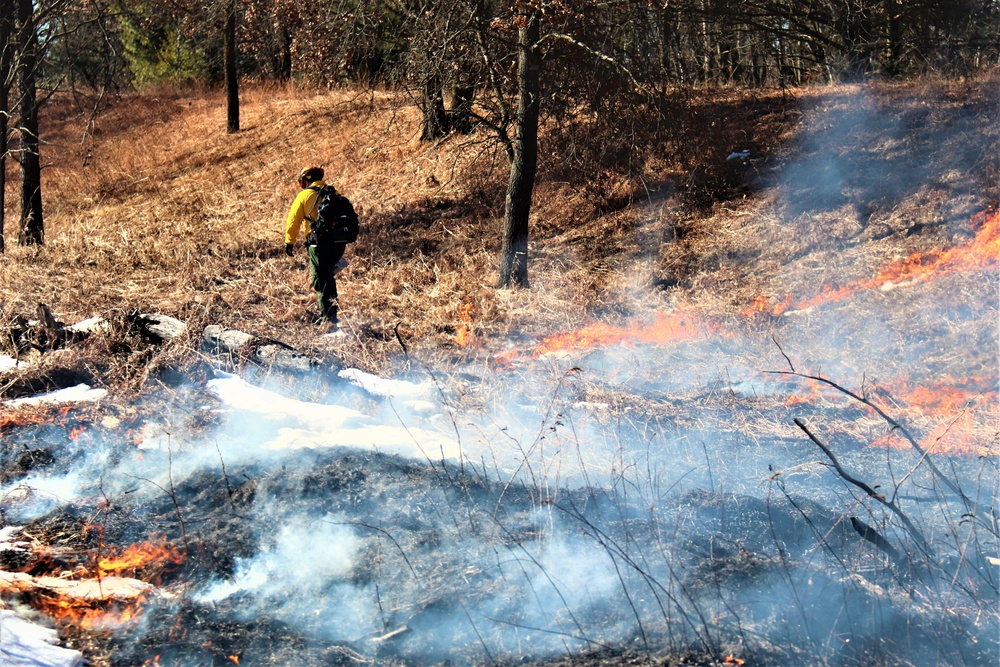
591 406
90 325
7 543
311 425
377 386
418 405
10 363
77 394
25 644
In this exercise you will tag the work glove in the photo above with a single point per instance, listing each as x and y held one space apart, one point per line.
288 249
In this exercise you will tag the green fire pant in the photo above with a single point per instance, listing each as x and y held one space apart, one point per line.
322 260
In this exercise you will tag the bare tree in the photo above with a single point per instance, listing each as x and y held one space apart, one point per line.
514 244
232 80
7 13
32 228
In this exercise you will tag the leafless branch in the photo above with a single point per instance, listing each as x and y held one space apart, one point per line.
989 519
872 493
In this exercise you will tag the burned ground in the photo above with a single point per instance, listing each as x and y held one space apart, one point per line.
450 561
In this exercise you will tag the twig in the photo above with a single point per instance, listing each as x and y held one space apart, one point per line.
778 345
521 626
515 542
173 497
612 547
482 642
917 535
953 486
406 352
869 534
229 489
381 531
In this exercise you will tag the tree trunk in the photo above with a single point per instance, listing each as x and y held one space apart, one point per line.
461 111
232 82
32 231
283 67
514 247
435 123
7 12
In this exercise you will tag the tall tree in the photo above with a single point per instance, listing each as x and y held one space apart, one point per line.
32 229
514 244
435 118
232 80
7 13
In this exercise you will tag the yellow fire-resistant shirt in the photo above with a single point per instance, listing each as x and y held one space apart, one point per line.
303 209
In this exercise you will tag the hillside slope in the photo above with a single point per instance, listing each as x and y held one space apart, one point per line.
613 467
747 197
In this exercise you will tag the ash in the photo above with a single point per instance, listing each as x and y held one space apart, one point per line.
533 545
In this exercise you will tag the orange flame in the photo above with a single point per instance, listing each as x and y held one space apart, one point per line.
678 326
151 557
89 615
76 432
948 397
979 254
948 412
955 437
463 335
982 252
24 419
954 405
112 608
813 392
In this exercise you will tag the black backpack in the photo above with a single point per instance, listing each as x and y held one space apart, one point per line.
336 221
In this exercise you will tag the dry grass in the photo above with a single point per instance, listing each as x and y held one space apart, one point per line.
157 209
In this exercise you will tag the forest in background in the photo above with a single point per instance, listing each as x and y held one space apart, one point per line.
504 67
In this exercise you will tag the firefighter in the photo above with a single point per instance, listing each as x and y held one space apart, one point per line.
323 256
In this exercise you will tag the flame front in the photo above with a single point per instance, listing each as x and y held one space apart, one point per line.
92 616
152 557
979 254
681 325
982 252
951 413
106 600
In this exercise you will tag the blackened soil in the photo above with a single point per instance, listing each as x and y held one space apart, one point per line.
194 636
450 564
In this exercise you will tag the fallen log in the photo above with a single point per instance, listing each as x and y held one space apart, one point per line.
263 351
154 327
86 590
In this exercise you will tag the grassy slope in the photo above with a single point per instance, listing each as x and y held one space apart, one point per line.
159 210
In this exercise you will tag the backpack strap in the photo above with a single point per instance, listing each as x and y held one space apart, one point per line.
319 192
